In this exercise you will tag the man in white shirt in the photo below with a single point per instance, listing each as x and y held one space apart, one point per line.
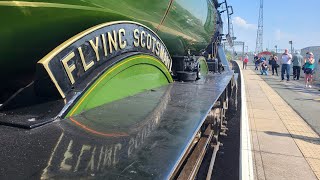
286 60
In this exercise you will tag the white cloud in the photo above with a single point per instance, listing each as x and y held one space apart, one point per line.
245 32
241 23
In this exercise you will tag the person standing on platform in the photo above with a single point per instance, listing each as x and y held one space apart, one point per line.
285 61
245 61
296 62
256 62
269 62
262 59
309 69
274 64
264 68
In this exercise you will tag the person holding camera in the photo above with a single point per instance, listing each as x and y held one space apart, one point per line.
256 62
286 61
309 69
274 64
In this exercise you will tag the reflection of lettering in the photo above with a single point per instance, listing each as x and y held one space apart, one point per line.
79 157
74 156
91 162
107 157
117 147
67 155
45 173
100 158
131 147
83 149
87 158
110 43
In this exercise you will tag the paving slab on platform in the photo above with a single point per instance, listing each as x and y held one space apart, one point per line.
294 93
285 167
284 146
278 144
270 125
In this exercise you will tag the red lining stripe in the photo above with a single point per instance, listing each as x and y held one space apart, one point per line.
97 132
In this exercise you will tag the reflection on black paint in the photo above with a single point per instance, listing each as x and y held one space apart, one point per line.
85 154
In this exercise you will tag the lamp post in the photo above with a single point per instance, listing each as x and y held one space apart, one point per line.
243 51
276 46
290 42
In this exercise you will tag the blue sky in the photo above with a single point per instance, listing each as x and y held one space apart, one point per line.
284 20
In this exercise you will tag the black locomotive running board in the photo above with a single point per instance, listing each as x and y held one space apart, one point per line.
144 136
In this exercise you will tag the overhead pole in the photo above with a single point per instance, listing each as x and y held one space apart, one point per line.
230 35
259 40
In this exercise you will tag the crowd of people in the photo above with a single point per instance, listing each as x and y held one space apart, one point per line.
298 62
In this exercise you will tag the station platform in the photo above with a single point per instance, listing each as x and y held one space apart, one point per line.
283 144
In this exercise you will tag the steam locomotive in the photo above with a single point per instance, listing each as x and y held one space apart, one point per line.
110 89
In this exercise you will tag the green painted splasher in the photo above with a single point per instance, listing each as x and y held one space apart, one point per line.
203 66
128 77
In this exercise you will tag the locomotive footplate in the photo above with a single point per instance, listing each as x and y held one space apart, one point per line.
144 136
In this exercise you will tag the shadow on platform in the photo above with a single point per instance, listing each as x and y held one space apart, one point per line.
305 138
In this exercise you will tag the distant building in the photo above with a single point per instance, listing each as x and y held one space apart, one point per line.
316 52
314 49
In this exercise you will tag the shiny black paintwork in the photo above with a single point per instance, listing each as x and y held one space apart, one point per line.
164 122
153 128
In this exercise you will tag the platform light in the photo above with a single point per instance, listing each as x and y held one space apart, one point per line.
290 42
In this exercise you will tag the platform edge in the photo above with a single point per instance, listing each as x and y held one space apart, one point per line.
245 161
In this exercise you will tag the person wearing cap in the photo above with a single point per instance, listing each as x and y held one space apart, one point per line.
296 62
285 61
309 69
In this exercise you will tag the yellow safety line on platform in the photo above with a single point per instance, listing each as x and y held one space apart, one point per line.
305 138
